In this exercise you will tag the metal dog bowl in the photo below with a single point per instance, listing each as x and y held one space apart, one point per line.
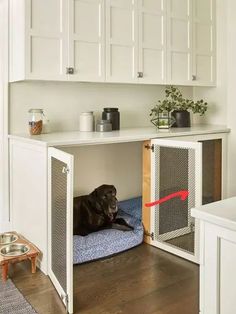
7 238
17 249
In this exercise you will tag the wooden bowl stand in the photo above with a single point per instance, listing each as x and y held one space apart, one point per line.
31 255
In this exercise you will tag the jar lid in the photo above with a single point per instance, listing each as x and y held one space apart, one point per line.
110 109
104 122
35 111
87 112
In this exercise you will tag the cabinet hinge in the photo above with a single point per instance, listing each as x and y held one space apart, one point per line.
151 235
65 299
150 147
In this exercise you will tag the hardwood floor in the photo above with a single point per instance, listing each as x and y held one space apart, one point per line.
144 280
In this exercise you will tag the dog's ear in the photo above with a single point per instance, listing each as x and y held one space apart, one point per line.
115 191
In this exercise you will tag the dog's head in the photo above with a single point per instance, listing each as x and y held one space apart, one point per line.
106 201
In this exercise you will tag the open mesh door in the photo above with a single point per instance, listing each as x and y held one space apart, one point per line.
176 166
61 224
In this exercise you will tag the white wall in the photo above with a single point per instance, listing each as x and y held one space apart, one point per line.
217 96
63 102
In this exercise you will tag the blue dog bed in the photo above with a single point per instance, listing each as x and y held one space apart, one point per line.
108 242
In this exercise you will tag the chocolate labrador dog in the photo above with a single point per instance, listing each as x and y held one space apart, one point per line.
98 211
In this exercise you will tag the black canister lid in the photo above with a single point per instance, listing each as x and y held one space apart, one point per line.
110 109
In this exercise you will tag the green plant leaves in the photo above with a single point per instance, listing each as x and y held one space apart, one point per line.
175 101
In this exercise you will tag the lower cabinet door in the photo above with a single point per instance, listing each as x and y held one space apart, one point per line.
217 270
60 224
175 166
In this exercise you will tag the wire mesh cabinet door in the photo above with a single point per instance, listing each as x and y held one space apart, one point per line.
176 166
60 224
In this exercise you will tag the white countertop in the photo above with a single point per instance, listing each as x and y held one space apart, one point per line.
222 213
122 136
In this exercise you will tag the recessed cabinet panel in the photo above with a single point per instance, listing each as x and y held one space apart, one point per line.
179 8
179 34
156 5
46 61
87 58
152 30
84 27
203 38
121 25
121 61
46 15
180 66
204 10
153 64
204 67
86 40
121 41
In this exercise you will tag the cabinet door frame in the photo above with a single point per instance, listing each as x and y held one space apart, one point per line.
66 296
30 33
188 50
100 41
142 45
198 196
134 45
212 54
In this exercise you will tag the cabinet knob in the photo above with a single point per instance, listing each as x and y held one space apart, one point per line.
69 70
194 77
140 74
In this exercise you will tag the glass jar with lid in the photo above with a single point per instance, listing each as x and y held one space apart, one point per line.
35 121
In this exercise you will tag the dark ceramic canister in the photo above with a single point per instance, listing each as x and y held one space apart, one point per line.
113 115
182 118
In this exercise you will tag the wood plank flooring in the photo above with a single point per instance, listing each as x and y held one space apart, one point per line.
144 280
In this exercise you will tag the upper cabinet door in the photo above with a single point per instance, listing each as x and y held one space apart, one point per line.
46 31
179 42
37 39
152 41
121 41
204 50
86 40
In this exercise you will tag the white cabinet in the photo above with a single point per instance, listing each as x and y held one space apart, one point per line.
86 40
57 40
136 41
191 42
37 40
217 257
121 41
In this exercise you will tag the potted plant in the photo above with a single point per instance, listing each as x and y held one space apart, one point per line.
178 106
